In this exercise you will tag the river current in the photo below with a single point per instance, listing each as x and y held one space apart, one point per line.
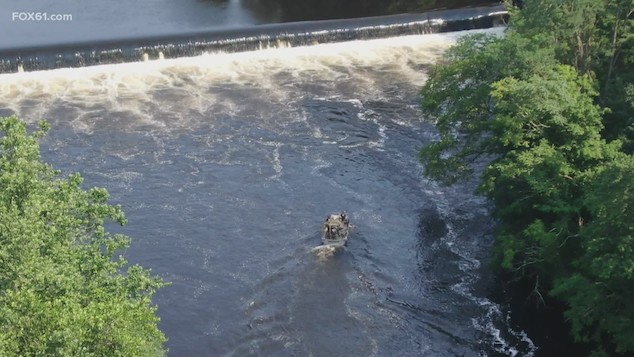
226 166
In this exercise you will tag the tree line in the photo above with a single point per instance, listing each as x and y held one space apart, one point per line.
64 290
544 117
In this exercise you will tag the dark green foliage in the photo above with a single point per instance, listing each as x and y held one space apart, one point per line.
570 25
457 96
62 289
548 107
615 69
600 291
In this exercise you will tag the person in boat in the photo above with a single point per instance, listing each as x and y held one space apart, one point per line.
331 231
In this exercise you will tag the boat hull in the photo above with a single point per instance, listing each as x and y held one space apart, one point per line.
335 242
336 230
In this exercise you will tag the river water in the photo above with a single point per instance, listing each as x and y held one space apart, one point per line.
87 21
226 166
94 20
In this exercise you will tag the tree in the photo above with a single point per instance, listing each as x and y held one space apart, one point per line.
63 289
525 113
600 291
547 133
615 69
594 36
457 97
569 24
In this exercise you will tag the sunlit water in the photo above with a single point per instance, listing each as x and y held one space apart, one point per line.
227 165
90 20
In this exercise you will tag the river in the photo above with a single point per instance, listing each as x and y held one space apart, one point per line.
30 23
226 166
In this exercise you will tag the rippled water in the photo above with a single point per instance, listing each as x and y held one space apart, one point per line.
226 166
91 20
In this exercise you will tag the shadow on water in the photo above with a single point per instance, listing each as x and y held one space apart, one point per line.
293 10
507 305
453 246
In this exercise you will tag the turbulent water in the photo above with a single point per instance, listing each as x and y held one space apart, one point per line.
227 165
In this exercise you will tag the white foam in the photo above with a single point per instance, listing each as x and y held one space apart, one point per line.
493 313
196 84
325 252
285 55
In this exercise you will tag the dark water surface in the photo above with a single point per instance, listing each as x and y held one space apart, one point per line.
110 33
94 20
226 166
82 21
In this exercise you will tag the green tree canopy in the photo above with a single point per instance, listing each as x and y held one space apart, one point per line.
543 115
64 291
600 290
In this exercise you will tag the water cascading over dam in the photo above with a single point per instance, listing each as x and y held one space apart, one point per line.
226 165
17 58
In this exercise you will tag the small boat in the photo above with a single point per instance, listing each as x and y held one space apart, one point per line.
336 230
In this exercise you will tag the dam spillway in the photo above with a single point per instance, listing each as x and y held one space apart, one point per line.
132 49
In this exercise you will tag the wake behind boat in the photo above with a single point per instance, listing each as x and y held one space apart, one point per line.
336 230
